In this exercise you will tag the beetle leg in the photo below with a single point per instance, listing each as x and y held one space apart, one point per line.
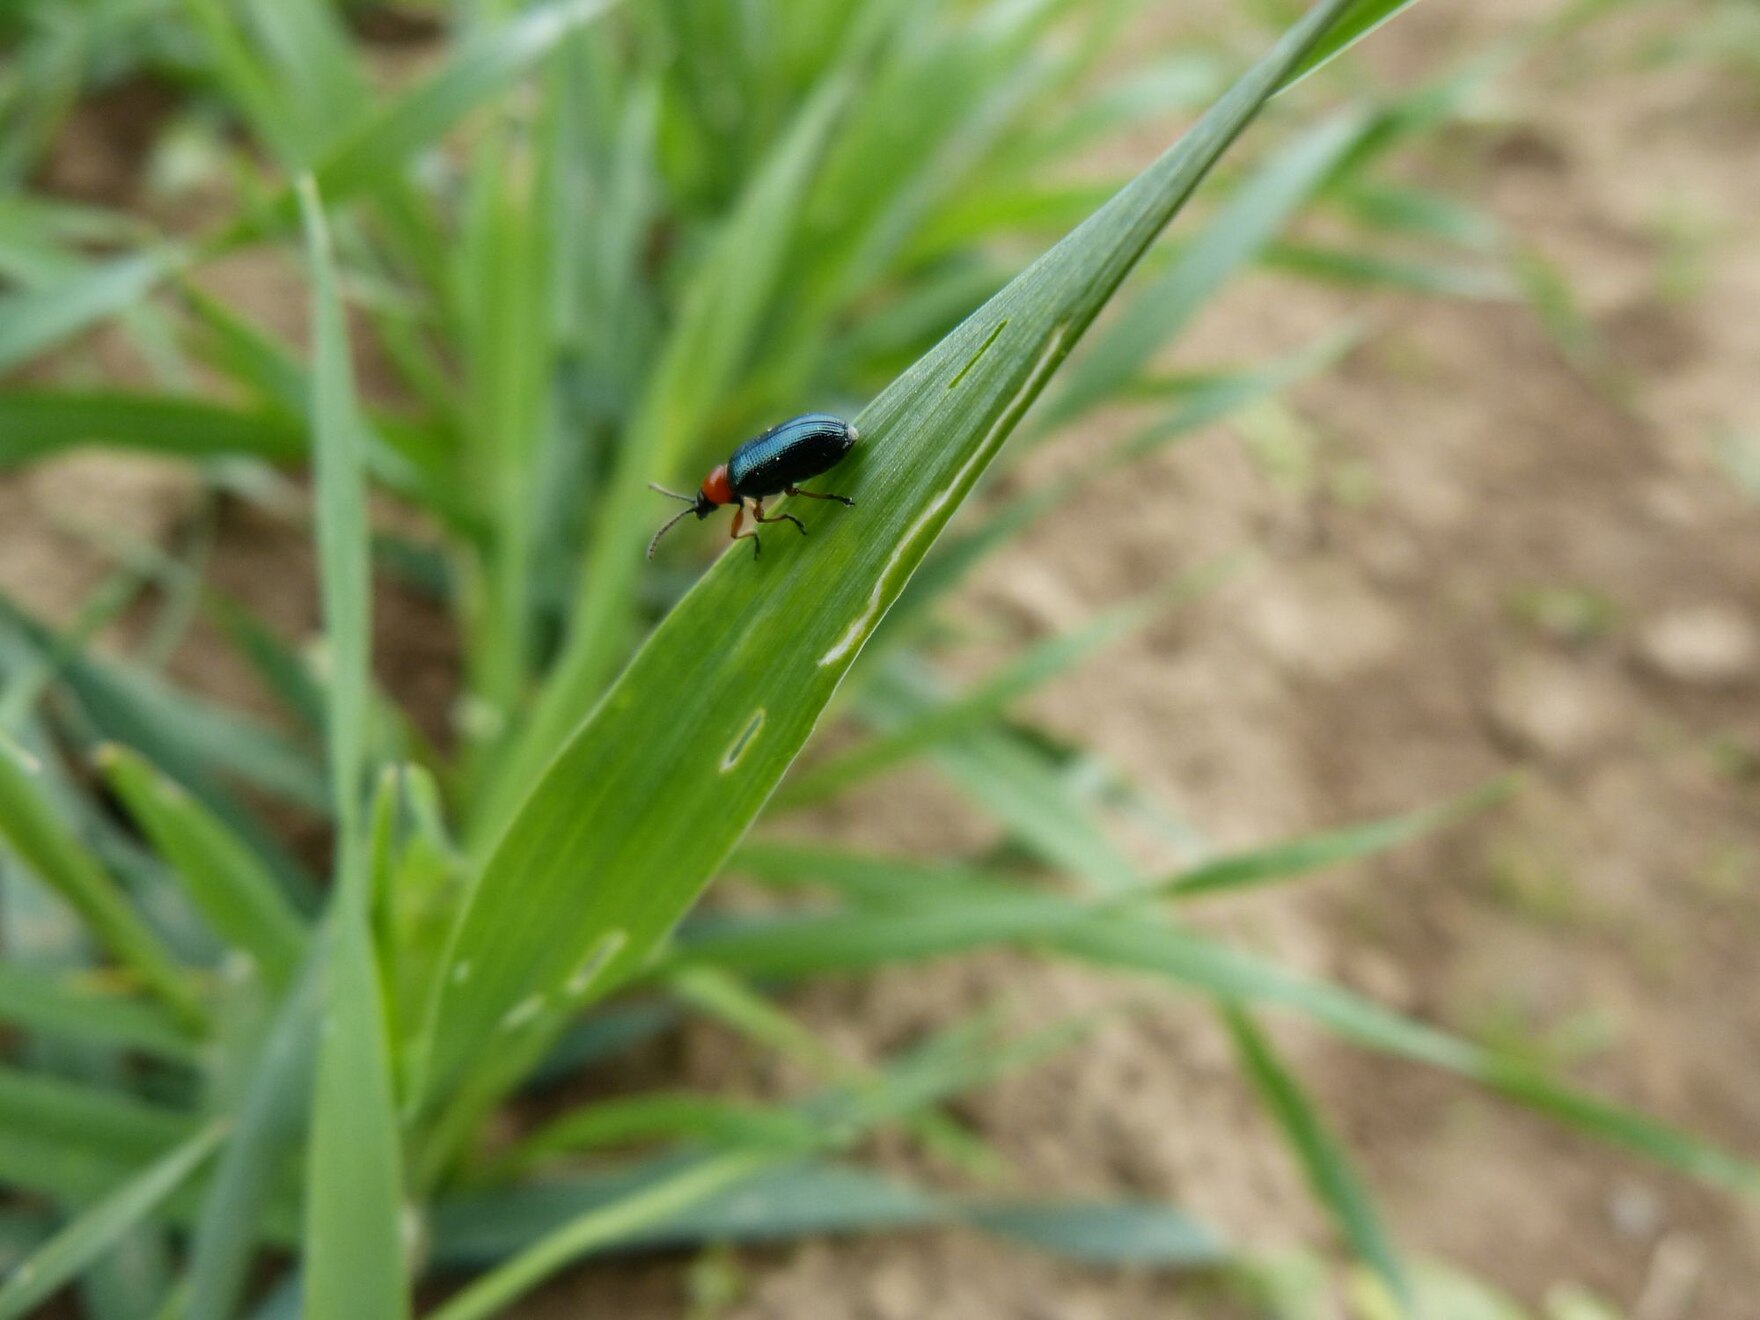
758 516
734 533
844 500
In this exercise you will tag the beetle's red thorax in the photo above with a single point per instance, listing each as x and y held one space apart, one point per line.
717 488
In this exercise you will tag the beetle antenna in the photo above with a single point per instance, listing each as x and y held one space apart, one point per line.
688 499
667 526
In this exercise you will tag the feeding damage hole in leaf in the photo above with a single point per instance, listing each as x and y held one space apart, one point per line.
607 948
983 348
1056 344
737 748
527 1010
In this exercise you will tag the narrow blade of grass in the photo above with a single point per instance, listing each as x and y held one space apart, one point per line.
821 1198
36 832
75 1141
384 142
507 342
866 877
1237 976
1131 941
660 1116
1421 213
37 423
35 320
1104 1233
1325 1163
267 1125
1211 399
320 76
961 1059
1011 779
801 1198
729 1000
1365 269
1357 22
196 741
87 1238
620 1219
645 834
354 1262
239 897
1238 234
968 710
1297 857
55 1005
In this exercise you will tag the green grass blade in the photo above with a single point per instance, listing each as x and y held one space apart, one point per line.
700 1179
354 1264
106 604
977 916
383 143
1325 1163
1361 269
660 1116
1243 228
869 878
54 1005
1210 398
1419 212
320 78
87 1238
195 740
955 1062
1617 1125
35 320
339 449
1353 25
75 1141
247 83
508 346
970 709
819 1198
1286 861
609 850
239 897
38 423
278 666
246 353
1214 397
806 1197
728 1000
1236 976
1011 779
851 941
36 832
1104 1233
269 1121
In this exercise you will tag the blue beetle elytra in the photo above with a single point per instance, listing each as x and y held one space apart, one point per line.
766 465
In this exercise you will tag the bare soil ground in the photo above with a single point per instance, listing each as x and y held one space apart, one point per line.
1492 562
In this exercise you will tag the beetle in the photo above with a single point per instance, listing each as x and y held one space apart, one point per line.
769 464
